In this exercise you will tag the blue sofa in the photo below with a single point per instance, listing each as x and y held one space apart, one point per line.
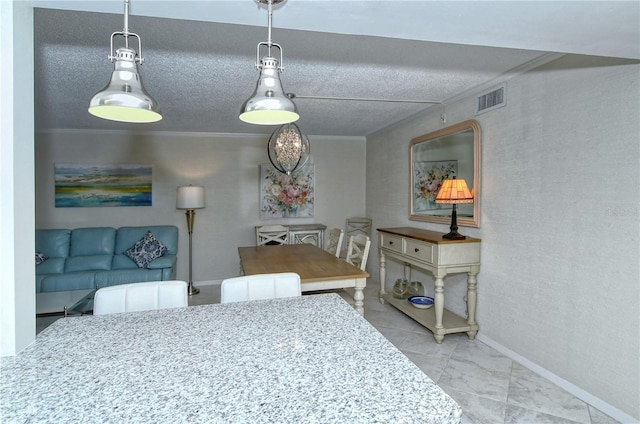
86 258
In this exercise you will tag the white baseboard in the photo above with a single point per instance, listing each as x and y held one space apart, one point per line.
597 403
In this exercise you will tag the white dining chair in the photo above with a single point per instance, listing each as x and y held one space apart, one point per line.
144 296
358 225
358 251
272 234
260 286
334 242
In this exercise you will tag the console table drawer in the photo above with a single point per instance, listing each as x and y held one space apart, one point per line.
391 242
420 251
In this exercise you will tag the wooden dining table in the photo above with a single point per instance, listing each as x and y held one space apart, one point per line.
318 270
306 359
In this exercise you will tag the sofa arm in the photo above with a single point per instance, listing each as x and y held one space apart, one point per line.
166 261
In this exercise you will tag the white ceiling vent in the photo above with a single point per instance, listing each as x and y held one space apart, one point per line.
492 100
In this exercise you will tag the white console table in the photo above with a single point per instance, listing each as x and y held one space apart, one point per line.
427 250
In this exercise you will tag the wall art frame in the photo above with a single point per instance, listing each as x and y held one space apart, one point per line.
287 196
103 185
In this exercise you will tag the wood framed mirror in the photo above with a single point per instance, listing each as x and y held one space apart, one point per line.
442 154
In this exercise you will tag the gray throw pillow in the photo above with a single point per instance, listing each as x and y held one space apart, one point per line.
146 250
40 257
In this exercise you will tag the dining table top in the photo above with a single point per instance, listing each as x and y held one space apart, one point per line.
306 260
304 359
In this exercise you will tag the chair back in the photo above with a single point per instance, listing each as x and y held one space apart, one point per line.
145 296
334 242
358 225
260 286
358 251
272 234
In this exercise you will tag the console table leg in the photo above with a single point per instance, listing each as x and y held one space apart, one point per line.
472 298
383 276
438 305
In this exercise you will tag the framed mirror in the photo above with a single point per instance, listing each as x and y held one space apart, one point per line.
440 155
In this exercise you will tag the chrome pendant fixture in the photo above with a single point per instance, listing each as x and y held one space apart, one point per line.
124 98
288 149
269 105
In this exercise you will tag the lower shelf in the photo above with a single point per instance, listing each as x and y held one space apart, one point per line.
427 317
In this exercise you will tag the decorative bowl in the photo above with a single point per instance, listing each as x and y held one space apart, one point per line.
421 302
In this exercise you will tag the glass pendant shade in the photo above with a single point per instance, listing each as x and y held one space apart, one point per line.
124 98
288 148
269 105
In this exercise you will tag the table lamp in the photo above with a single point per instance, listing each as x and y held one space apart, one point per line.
451 192
190 198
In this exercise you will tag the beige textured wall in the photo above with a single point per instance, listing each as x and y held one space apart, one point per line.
228 168
560 229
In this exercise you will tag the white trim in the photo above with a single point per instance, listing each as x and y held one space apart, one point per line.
587 397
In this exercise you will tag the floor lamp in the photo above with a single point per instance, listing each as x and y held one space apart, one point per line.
190 198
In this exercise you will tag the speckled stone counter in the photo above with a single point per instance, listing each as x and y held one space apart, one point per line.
310 359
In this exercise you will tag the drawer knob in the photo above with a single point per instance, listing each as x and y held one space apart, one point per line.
417 250
390 242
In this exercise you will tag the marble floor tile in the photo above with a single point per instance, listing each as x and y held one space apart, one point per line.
471 378
599 417
482 355
517 415
394 335
426 344
531 391
430 365
477 409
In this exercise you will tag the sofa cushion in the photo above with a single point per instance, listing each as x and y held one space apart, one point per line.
88 263
92 241
40 257
146 250
127 236
123 262
53 243
51 266
68 281
125 276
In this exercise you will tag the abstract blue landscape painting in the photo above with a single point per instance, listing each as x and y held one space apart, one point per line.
82 186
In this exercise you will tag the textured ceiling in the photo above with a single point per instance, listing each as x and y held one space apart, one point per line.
201 72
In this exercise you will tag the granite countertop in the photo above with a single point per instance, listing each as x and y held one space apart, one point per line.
305 359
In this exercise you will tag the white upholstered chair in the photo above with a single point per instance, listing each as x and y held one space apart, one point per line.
140 297
358 251
334 241
260 286
272 234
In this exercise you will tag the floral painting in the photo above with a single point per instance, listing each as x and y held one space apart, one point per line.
81 186
428 179
286 196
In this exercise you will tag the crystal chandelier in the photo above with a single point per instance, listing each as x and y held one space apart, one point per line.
288 148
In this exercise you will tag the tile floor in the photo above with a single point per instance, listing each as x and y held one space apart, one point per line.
490 387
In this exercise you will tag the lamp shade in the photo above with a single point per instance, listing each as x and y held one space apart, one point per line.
190 197
454 191
124 98
269 105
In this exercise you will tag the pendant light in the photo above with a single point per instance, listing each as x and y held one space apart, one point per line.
124 98
269 105
288 148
